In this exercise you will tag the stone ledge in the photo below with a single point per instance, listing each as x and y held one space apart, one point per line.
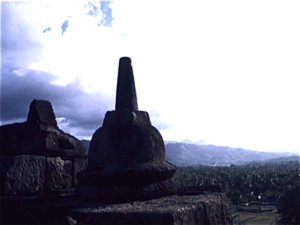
193 209
64 208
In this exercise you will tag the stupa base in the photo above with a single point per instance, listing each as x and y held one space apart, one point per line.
118 194
213 208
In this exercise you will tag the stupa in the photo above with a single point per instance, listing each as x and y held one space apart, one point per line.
127 159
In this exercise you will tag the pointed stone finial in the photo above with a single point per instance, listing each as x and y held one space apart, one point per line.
126 94
41 111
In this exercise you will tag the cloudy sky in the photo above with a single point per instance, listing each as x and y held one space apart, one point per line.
227 72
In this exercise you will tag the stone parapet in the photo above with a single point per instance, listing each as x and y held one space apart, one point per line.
22 175
38 175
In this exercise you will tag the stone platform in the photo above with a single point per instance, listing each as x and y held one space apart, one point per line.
206 208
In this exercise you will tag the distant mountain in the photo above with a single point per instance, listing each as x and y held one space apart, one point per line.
168 142
182 154
283 150
200 142
86 144
187 141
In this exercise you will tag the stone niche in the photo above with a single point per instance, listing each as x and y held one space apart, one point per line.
127 159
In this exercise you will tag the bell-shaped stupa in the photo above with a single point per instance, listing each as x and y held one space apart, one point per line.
127 159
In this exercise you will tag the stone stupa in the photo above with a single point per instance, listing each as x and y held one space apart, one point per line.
127 159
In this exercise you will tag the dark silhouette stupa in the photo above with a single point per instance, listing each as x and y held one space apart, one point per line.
127 159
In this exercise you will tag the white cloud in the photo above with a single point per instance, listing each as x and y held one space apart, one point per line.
225 71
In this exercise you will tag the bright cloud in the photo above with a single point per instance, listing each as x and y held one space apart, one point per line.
224 71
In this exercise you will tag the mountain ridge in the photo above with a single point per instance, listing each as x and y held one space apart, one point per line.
183 154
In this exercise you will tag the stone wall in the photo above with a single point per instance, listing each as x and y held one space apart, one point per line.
38 175
37 157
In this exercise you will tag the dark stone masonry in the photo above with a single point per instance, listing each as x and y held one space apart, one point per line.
46 178
127 159
36 156
39 135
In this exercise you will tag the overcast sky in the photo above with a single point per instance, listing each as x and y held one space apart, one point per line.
227 72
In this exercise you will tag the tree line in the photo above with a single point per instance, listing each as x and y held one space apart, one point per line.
270 181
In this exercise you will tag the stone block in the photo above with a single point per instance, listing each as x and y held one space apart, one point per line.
39 135
22 175
207 209
59 173
41 111
119 194
79 164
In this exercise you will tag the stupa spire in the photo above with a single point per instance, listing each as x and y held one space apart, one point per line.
127 157
126 93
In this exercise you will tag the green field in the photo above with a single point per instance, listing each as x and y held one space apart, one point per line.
264 218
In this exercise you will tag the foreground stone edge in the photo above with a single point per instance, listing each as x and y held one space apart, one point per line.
211 208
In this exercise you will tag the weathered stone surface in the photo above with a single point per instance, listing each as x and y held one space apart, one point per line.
59 173
41 112
10 136
142 174
68 145
22 175
126 139
126 193
79 164
127 154
197 209
37 210
208 209
126 94
126 150
126 147
30 174
39 135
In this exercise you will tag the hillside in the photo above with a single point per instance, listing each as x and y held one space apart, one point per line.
182 154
